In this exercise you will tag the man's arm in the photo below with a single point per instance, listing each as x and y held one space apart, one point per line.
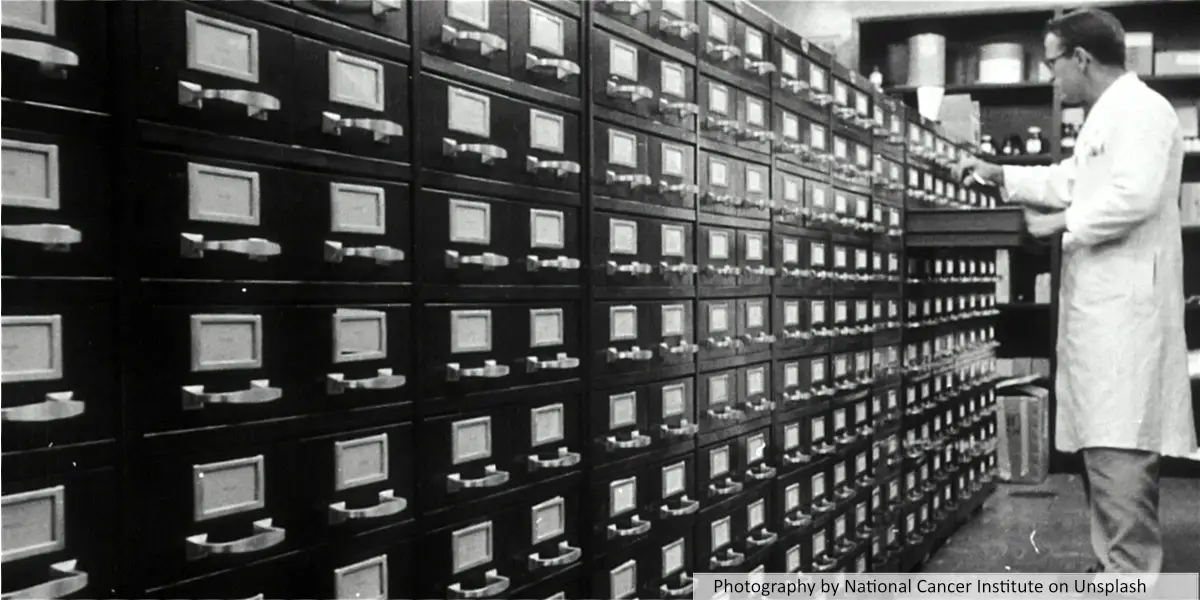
1141 146
1045 188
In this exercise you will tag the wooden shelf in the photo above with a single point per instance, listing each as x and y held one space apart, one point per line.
951 228
1025 93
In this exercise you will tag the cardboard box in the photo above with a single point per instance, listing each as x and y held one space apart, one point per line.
1023 443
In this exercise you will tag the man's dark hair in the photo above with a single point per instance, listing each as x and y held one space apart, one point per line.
1094 30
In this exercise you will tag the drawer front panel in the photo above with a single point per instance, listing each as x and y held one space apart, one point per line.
472 33
639 251
641 336
58 54
387 19
545 49
470 456
635 80
368 236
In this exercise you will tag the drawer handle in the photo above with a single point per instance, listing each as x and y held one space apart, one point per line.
681 109
714 198
821 99
560 362
636 440
824 564
496 584
797 334
735 559
822 506
634 354
487 260
795 86
727 413
494 477
679 28
336 383
636 527
265 536
634 180
489 370
797 520
723 52
258 104
565 458
55 238
755 135
687 506
678 269
722 125
823 391
260 392
488 153
378 8
687 584
681 348
566 555
761 271
763 405
631 91
800 149
193 245
388 505
665 187
382 130
825 449
768 538
723 271
560 168
759 203
685 429
335 252
721 343
761 472
845 492
796 458
489 43
759 67
633 268
561 263
560 67
52 60
72 580
630 8
730 488
56 407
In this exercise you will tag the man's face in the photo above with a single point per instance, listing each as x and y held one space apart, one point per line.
1065 70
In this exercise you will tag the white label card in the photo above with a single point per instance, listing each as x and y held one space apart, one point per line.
622 60
547 32
673 80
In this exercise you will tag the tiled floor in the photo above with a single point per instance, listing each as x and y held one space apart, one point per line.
1044 529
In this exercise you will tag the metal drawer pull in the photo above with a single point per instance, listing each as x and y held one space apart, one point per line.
52 60
825 449
565 458
378 7
382 130
560 168
489 370
735 559
723 52
56 238
794 86
265 536
821 99
634 353
560 67
796 458
790 147
681 109
496 584
630 8
731 488
560 362
633 268
844 493
561 263
767 538
635 180
759 67
714 198
761 271
56 407
336 383
489 43
71 581
687 506
761 473
636 440
678 269
761 337
683 347
687 585
487 260
723 125
567 555
193 95
763 405
633 92
637 527
796 334
755 135
679 28
665 187
493 477
488 153
685 429
388 505
723 271
260 392
335 252
721 343
796 522
193 245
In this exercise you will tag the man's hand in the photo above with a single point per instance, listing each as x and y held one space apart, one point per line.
988 172
1043 225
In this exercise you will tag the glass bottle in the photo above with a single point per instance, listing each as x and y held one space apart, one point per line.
1068 137
1012 146
876 77
986 146
1034 144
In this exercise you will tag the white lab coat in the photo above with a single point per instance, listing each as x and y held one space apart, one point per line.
1122 378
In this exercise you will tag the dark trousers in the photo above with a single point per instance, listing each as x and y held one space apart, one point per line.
1121 487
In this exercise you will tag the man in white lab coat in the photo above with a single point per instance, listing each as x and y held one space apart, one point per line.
1122 388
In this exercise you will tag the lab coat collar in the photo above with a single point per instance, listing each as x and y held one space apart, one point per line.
1119 87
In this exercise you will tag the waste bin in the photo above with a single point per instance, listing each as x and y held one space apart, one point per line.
1024 432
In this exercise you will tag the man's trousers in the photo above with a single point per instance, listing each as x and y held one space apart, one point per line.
1122 495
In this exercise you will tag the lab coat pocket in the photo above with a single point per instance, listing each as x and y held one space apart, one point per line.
1102 282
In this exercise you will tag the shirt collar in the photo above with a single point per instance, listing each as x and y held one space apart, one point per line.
1116 89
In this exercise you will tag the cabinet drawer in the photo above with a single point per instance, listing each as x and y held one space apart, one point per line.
545 48
630 165
477 240
791 436
717 474
670 564
545 537
215 71
222 508
366 361
672 410
723 180
638 81
486 347
473 132
388 18
718 537
673 22
718 256
717 332
58 370
719 402
473 33
640 251
352 103
792 325
56 203
57 53
58 535
625 508
735 117
372 566
640 336
735 46
754 325
619 575
271 578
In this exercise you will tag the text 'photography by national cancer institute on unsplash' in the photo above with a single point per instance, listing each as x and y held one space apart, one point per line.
959 586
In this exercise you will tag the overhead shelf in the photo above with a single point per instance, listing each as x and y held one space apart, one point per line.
952 228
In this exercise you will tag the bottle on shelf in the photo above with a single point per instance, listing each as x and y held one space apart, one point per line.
1034 144
1012 146
986 146
1068 137
876 78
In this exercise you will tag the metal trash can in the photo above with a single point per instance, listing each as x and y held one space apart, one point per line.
1024 432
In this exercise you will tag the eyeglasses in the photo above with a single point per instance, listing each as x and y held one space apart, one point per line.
1053 60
